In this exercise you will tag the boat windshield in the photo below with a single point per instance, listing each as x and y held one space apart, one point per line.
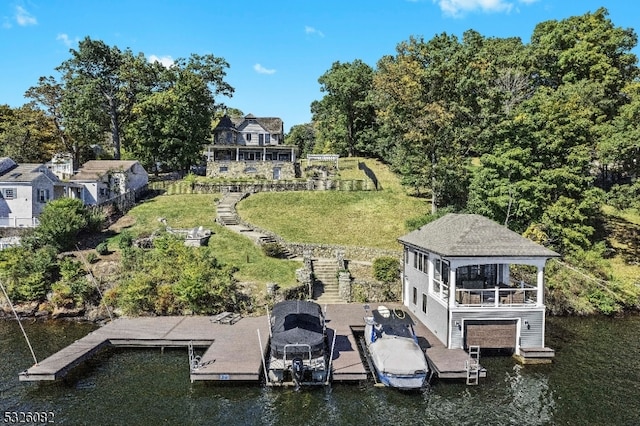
393 330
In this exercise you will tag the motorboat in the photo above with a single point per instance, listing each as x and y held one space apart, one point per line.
393 349
298 353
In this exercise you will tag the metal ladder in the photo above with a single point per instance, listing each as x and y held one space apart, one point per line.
473 365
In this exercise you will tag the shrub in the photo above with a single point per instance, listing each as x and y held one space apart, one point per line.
126 240
60 222
273 250
102 248
386 269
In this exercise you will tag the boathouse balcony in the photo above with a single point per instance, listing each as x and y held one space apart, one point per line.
478 295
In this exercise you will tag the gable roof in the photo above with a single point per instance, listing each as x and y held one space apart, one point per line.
472 235
22 173
95 169
273 125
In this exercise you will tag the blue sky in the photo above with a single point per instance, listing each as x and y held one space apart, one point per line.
276 49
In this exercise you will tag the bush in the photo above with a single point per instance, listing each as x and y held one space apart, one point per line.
386 269
126 240
102 248
273 250
60 222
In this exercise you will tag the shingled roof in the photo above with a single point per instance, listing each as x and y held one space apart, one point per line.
273 125
472 235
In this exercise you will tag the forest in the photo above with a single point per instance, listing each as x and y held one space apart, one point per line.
538 136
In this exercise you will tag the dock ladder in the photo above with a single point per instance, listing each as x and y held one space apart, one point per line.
473 365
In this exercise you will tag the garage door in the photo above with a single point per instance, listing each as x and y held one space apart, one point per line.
490 334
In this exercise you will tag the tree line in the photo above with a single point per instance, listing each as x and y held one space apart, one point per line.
113 103
536 136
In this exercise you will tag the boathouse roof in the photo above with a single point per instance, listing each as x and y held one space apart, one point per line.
472 235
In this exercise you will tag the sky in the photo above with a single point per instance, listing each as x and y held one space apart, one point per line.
276 49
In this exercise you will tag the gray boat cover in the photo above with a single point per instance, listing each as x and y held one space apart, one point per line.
297 322
397 355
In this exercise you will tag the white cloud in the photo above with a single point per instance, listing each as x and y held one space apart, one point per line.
65 39
313 31
457 8
167 61
262 70
24 18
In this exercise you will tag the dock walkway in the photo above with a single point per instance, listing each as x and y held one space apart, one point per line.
233 350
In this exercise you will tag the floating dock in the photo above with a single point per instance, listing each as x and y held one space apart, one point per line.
234 349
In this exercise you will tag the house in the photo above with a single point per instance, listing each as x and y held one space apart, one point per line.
24 191
474 282
250 146
103 180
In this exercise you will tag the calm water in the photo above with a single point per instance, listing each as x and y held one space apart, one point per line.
593 381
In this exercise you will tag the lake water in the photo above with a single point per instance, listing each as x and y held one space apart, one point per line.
594 380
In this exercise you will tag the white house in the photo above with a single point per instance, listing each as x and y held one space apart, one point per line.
474 282
24 191
103 180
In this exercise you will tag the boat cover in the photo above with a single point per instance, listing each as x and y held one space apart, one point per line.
297 322
397 355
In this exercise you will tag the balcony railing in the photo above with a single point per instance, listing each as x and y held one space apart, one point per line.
503 296
19 222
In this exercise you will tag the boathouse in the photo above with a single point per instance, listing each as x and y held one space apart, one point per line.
474 282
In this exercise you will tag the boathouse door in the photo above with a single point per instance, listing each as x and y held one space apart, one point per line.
490 334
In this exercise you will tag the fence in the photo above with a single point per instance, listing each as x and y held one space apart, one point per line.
19 222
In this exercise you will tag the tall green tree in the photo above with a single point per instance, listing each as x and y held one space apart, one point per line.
173 124
101 87
345 115
415 93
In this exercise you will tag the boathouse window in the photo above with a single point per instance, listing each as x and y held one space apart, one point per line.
420 262
424 303
9 193
415 296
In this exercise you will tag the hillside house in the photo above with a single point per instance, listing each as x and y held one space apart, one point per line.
250 146
25 189
475 282
103 180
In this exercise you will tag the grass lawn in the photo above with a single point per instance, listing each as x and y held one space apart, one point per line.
624 238
358 218
192 210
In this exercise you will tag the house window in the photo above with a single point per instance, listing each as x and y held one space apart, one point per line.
267 138
260 139
43 195
248 136
103 192
224 169
424 303
9 193
415 296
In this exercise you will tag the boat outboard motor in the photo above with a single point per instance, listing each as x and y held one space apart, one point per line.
298 370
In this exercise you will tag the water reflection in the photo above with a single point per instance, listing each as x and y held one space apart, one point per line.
593 380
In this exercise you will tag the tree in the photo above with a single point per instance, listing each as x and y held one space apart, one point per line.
48 94
26 134
173 124
418 106
303 136
347 106
101 86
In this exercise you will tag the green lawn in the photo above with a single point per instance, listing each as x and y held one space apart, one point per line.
359 218
192 210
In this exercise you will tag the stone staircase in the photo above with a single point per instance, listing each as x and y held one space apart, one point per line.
226 211
325 286
268 239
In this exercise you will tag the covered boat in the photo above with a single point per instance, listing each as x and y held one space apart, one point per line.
394 350
298 347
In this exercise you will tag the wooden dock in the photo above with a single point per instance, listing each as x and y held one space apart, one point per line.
233 350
